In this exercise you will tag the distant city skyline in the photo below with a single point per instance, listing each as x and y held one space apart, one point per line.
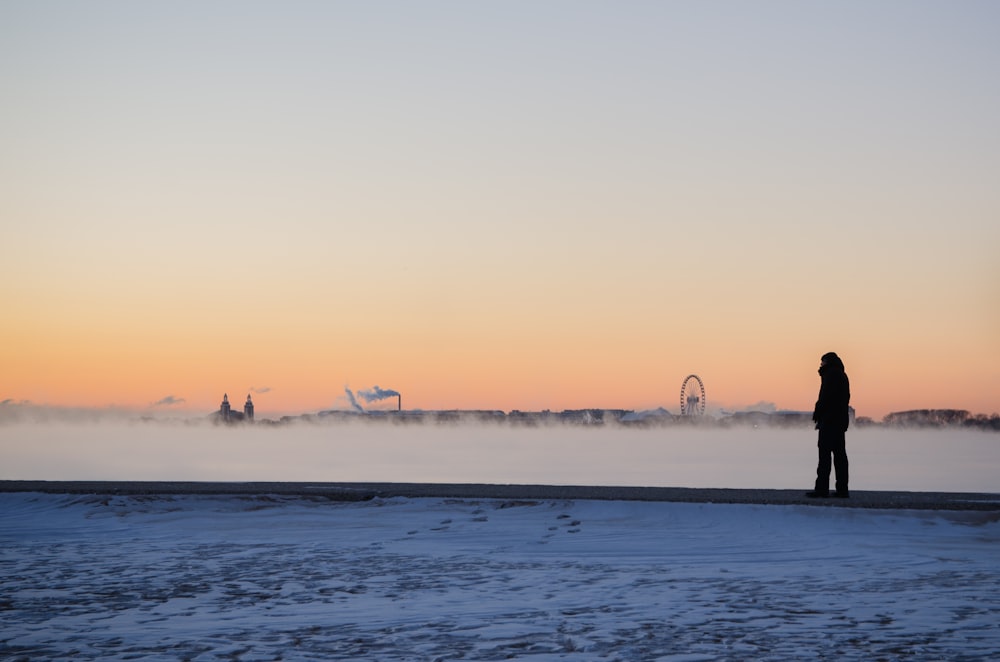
12 411
511 205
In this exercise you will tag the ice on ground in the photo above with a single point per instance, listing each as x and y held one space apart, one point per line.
265 577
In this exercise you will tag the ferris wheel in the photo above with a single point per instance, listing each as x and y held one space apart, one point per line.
692 396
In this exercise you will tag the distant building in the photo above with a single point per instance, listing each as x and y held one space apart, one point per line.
227 415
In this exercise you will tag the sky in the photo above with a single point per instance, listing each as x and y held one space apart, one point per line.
499 205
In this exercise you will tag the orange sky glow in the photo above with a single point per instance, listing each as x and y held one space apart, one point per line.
482 211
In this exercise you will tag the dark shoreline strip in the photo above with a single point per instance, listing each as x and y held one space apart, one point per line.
365 491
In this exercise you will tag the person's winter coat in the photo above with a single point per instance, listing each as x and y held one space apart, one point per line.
831 410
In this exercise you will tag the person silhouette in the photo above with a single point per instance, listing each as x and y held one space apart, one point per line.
832 418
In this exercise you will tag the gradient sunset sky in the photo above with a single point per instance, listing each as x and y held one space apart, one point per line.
504 205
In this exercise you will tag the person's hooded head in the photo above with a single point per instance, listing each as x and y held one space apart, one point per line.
830 361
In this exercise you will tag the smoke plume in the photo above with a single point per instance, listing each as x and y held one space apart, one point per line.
375 393
354 402
167 401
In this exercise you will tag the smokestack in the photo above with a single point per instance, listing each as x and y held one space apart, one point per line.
399 402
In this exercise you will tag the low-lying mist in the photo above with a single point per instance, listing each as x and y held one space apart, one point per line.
682 456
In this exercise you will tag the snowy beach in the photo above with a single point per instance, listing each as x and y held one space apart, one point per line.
264 577
158 541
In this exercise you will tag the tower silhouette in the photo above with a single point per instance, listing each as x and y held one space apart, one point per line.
248 409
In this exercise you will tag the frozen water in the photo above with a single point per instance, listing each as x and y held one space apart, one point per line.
266 577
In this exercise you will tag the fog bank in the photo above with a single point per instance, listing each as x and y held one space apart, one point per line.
745 457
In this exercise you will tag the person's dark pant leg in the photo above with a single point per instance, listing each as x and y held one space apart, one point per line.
823 466
839 450
832 443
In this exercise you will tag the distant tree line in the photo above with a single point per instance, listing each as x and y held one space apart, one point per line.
940 418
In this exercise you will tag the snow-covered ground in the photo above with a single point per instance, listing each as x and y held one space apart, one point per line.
266 578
